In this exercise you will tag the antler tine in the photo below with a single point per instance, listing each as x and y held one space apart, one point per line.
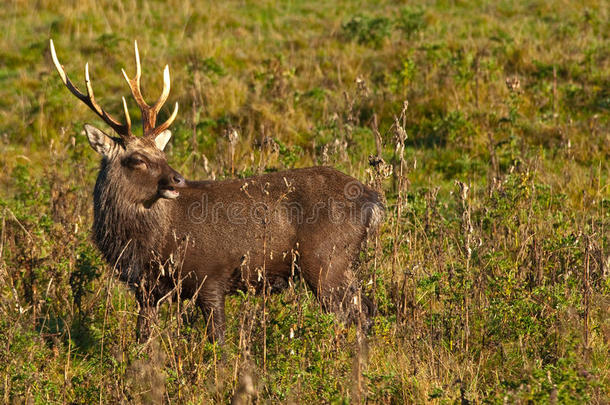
134 84
138 66
89 98
126 114
166 124
149 113
165 93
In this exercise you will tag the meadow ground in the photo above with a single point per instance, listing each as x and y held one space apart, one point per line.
491 272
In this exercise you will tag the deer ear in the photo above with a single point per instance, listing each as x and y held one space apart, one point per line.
99 141
162 139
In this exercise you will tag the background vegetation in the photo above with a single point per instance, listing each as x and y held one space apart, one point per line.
490 273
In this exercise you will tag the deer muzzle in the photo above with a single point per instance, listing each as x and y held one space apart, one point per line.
169 186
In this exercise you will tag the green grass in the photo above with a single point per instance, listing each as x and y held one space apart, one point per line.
499 297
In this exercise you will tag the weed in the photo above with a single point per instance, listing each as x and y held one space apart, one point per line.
492 289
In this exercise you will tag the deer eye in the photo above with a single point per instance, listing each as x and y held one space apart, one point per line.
136 162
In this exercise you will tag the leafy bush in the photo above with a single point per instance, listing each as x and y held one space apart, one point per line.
368 30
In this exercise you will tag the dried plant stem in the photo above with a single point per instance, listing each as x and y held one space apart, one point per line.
375 256
555 115
467 231
2 236
195 118
265 297
358 367
108 284
586 295
476 79
19 223
397 224
67 366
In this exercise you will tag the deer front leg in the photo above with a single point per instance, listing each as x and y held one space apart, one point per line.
147 316
212 304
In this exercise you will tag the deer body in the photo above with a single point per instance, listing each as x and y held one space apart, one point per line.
206 239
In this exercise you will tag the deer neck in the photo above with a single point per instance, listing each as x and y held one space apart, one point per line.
129 235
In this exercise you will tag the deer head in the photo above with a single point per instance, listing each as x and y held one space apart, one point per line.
137 164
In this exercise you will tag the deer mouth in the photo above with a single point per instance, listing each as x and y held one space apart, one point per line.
169 192
169 185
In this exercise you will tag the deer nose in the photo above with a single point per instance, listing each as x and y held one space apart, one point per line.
178 180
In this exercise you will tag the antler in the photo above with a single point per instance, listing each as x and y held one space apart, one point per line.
124 130
149 113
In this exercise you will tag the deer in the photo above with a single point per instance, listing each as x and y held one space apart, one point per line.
158 230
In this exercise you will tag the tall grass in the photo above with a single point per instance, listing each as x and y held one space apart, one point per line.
490 272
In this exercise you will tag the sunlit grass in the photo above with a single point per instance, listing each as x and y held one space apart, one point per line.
505 322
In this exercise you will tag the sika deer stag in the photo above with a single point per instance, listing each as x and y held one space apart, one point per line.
216 237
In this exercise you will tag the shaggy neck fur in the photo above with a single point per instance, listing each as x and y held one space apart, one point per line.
128 234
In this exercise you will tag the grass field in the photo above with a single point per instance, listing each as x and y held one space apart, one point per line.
491 271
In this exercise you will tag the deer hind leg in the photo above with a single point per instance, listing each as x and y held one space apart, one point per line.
333 282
